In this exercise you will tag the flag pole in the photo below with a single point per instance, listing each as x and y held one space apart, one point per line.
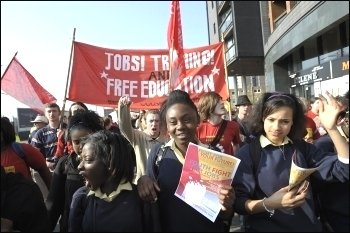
65 92
9 65
226 78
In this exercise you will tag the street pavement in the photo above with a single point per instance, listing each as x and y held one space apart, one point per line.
235 225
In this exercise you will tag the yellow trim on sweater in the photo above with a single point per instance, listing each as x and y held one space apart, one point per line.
98 193
177 152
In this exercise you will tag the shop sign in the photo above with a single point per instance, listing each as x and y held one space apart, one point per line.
314 74
340 67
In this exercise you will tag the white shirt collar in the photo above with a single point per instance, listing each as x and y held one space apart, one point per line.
265 142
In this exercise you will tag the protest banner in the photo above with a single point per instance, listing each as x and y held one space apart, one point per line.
100 76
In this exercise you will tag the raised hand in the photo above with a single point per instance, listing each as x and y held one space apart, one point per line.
329 110
125 100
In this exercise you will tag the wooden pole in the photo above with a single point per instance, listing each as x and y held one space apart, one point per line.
8 65
226 78
65 92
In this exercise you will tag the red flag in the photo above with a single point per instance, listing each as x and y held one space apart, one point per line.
175 43
20 84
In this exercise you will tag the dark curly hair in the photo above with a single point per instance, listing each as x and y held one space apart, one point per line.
272 102
84 120
70 114
115 152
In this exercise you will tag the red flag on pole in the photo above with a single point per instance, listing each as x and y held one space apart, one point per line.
177 69
20 84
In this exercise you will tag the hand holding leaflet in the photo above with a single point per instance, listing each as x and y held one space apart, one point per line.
204 173
298 174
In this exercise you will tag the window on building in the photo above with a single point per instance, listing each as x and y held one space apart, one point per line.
296 61
229 43
347 32
226 21
214 28
290 64
310 54
331 40
223 16
278 10
293 3
230 48
254 81
331 46
344 37
212 4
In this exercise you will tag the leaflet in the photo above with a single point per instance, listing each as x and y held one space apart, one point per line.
298 174
203 172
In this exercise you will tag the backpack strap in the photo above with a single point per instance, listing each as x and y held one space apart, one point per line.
18 149
219 134
155 159
158 159
255 155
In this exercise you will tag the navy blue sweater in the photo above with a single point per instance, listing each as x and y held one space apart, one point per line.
23 203
92 214
175 214
65 181
273 174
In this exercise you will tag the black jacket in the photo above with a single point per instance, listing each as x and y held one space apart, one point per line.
23 203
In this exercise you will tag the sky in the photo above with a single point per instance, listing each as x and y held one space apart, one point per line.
42 34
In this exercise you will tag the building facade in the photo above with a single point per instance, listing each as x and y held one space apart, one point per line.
305 44
238 24
308 47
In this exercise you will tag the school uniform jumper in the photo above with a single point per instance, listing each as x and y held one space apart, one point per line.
65 181
175 214
273 174
90 213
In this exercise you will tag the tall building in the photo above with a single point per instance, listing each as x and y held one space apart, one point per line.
238 24
305 43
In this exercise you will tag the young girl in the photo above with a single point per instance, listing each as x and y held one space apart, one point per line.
108 202
263 193
180 116
64 146
66 179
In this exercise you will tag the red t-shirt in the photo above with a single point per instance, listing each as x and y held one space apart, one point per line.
14 163
63 147
311 114
206 132
310 125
